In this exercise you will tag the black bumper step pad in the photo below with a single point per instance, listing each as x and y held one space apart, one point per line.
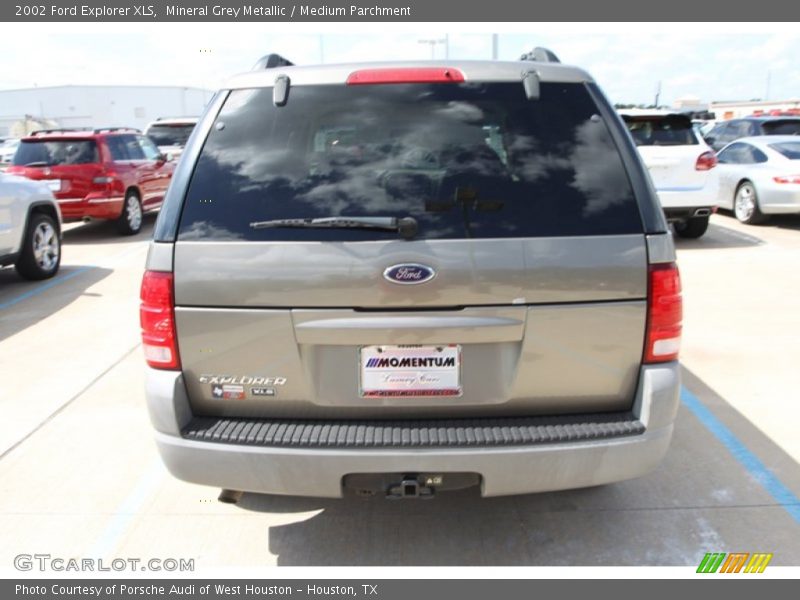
430 433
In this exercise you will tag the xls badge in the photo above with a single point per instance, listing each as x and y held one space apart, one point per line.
260 391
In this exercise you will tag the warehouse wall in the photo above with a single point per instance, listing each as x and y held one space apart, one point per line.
98 106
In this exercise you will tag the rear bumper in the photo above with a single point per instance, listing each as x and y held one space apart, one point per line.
780 198
504 470
678 198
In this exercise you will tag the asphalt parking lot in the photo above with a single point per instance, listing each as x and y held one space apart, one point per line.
80 476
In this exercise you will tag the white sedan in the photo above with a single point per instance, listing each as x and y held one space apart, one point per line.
760 176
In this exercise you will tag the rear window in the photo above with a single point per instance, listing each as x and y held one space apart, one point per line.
56 152
170 135
782 127
790 150
464 160
667 130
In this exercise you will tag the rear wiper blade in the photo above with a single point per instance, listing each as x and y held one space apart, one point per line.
38 163
405 226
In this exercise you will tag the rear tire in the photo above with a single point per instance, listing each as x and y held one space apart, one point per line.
130 221
41 249
745 205
692 228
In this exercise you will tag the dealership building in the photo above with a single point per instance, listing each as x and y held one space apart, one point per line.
734 110
95 106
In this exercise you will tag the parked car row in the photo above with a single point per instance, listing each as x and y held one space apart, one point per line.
750 166
114 173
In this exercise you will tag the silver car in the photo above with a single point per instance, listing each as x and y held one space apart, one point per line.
760 176
30 228
402 278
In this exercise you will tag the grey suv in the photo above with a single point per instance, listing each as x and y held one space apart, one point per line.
403 278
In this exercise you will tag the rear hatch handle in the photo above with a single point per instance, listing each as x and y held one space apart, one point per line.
405 226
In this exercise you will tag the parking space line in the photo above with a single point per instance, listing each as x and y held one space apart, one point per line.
129 509
55 413
62 278
53 282
757 470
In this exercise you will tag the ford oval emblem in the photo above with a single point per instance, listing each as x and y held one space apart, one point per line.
409 274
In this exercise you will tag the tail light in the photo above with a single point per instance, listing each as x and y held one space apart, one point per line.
787 179
157 318
664 314
105 181
706 161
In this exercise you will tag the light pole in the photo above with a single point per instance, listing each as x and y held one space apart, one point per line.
432 43
769 76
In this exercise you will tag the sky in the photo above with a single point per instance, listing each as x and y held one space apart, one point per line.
629 61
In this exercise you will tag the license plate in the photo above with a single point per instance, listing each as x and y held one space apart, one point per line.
54 185
395 371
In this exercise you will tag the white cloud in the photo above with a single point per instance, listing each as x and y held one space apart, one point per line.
628 60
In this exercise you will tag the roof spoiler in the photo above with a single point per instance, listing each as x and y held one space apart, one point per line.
271 61
540 54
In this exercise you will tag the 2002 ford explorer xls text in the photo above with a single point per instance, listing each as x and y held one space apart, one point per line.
402 278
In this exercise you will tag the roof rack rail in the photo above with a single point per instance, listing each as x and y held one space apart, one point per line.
271 61
116 129
540 54
59 130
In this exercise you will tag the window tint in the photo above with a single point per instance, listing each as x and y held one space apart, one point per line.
150 150
117 147
667 130
170 135
758 155
466 160
790 150
738 129
56 152
741 154
788 127
722 133
717 130
132 148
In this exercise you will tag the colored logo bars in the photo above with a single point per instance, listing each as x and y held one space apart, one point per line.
735 562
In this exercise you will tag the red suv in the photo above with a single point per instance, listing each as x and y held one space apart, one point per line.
111 173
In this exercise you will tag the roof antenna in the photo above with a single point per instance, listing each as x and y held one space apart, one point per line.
271 61
540 54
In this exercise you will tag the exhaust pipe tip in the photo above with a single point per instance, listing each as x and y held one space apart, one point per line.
702 212
230 496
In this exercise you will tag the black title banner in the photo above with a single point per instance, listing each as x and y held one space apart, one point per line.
474 11
392 589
